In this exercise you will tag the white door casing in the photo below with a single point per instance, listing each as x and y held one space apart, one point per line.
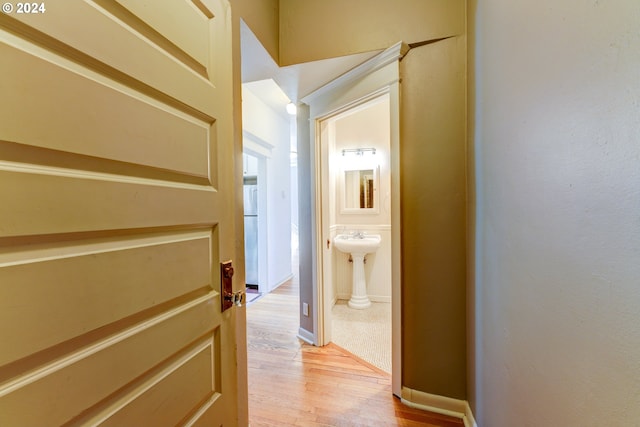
116 209
373 78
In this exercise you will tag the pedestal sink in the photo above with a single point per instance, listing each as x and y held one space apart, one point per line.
358 245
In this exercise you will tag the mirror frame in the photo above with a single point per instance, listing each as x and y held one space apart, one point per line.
342 193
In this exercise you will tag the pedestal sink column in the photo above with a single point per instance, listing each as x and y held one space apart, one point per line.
358 246
359 298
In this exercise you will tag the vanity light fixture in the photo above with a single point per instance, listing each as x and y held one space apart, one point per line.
358 151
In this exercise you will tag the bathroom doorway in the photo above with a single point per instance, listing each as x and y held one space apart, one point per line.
354 146
374 83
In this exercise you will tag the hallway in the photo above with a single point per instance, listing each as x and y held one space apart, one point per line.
296 384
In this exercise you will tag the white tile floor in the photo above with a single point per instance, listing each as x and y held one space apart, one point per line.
365 333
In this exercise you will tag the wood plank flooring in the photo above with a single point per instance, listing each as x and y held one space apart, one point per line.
292 383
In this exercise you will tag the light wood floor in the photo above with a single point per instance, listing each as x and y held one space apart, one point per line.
295 384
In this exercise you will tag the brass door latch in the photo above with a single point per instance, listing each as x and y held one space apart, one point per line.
229 297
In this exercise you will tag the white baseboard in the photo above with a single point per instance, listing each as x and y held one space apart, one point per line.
281 282
469 420
306 336
439 404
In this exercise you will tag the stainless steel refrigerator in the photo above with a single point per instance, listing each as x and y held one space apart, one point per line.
251 229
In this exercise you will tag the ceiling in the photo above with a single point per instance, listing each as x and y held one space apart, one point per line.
295 81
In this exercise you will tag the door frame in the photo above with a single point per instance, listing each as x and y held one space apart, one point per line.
263 213
371 79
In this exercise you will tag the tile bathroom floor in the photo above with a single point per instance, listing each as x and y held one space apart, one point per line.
365 333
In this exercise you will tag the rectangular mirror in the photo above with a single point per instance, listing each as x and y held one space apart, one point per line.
360 191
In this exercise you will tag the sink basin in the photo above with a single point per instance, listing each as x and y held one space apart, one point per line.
362 244
358 245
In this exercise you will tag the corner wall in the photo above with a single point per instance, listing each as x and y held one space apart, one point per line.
433 204
557 136
263 17
306 216
358 26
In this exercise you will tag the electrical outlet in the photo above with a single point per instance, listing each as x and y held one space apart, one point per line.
305 309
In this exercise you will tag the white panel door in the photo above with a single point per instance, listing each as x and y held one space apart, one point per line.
116 209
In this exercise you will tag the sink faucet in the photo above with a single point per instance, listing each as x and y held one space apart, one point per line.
357 234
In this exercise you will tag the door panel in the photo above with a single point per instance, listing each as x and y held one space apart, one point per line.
104 364
185 382
46 114
183 15
65 200
116 177
95 32
99 286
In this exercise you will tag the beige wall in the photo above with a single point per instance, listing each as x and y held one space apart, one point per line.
472 269
557 136
318 29
433 203
263 17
